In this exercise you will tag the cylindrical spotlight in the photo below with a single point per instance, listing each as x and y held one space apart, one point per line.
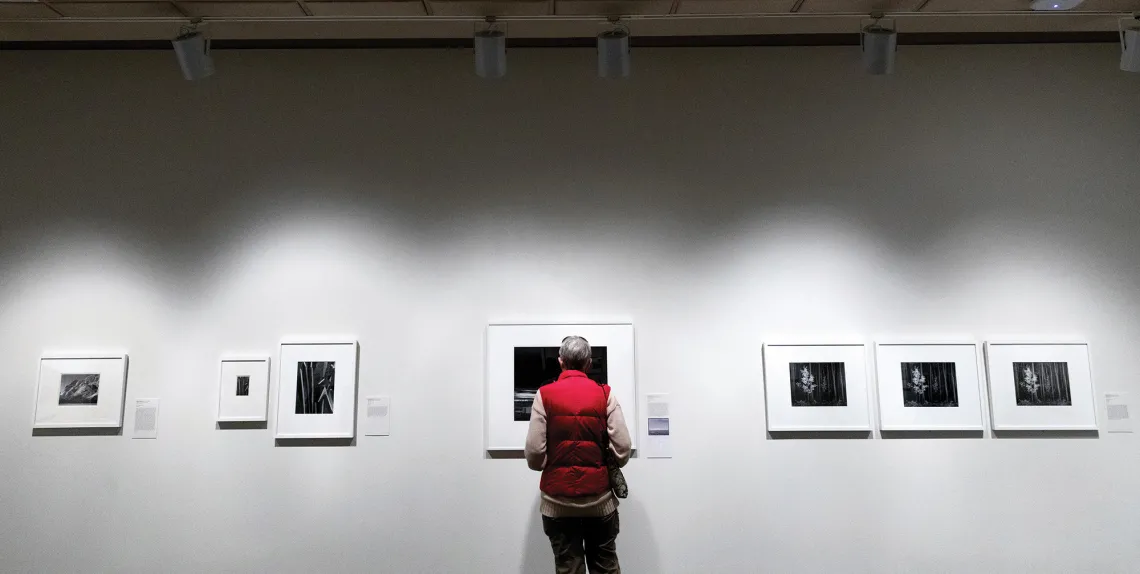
1054 5
490 54
879 46
193 51
613 54
1130 49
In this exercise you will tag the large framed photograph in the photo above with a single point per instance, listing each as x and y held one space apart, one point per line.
929 386
816 387
523 358
316 389
243 389
1040 386
81 390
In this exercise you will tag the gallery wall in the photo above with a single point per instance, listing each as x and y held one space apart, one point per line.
717 199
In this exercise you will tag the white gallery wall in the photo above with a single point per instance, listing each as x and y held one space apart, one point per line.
716 199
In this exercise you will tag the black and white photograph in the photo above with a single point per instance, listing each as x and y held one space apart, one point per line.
929 384
658 426
79 389
316 381
536 367
1042 384
243 385
818 384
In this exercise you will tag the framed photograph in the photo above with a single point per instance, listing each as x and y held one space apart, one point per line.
1040 386
243 389
816 387
81 390
523 358
929 386
316 389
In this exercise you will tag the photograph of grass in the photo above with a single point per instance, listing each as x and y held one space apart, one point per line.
316 382
243 385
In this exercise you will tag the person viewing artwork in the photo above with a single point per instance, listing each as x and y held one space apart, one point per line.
573 422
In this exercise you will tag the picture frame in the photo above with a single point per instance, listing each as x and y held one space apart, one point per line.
316 388
929 385
828 392
534 347
1041 385
80 390
243 389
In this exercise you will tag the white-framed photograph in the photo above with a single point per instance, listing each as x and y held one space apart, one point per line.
1040 386
523 358
816 387
929 386
316 389
81 390
243 389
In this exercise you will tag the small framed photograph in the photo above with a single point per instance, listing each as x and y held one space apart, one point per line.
316 389
243 389
816 387
81 390
1040 386
929 386
523 358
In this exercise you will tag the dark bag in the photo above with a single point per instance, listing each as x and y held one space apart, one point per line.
617 479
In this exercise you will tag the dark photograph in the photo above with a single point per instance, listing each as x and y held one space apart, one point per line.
538 366
818 384
930 384
243 385
1042 384
316 381
658 426
78 389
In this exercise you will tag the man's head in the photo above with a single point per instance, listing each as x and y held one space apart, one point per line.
574 354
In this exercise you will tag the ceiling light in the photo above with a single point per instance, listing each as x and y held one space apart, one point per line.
490 52
193 51
1051 5
879 45
1130 46
613 52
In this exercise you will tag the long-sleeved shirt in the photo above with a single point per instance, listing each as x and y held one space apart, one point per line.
621 446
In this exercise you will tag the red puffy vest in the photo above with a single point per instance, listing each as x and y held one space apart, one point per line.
576 427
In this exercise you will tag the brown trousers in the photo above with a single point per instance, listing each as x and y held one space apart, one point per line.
578 542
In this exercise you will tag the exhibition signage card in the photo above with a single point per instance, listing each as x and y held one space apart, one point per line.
377 417
1118 410
659 443
146 419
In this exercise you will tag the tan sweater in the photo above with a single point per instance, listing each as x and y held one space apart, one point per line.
620 445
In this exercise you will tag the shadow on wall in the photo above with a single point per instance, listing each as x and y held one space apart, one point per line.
537 556
637 547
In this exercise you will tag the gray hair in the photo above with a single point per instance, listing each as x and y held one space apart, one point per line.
575 353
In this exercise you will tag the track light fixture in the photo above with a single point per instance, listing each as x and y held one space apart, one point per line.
1054 5
879 44
1130 45
193 51
613 51
491 51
